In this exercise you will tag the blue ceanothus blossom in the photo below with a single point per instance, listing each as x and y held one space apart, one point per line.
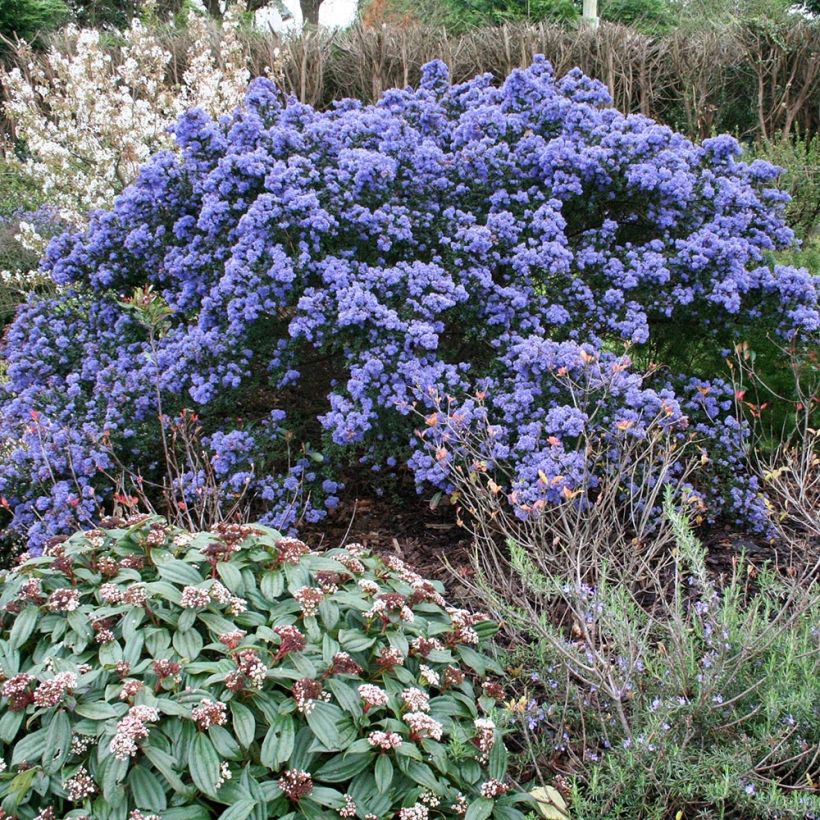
328 272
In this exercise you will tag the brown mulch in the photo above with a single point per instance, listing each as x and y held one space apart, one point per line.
430 539
425 538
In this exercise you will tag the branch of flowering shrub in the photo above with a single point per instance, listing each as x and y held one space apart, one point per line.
602 438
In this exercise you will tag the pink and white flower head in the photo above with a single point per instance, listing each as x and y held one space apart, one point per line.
232 639
80 786
384 741
209 713
64 600
194 598
295 784
50 692
429 676
291 550
493 788
350 809
130 689
131 729
292 640
418 811
422 726
416 700
485 737
372 696
389 658
309 598
219 592
369 587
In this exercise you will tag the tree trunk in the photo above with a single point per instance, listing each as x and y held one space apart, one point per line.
214 8
310 12
590 14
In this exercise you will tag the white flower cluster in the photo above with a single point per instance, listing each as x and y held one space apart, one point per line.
105 116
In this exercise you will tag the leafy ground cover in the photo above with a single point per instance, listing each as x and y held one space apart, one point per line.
236 673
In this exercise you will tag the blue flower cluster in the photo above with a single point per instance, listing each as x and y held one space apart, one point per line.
338 266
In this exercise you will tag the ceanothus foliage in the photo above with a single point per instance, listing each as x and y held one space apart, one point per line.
326 270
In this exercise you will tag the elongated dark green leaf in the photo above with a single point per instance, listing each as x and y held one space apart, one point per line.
497 765
165 765
327 797
473 659
157 640
244 723
479 809
224 743
10 724
267 755
421 773
30 748
324 721
23 626
231 577
203 762
287 738
187 813
347 696
272 585
383 772
146 789
19 788
239 810
58 742
507 813
80 624
110 653
344 767
178 572
188 644
112 773
186 620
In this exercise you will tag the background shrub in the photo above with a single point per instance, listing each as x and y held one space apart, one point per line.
304 278
235 673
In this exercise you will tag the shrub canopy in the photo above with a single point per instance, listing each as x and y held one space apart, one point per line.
307 277
237 674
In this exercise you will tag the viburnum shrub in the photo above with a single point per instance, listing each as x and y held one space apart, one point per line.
235 673
318 276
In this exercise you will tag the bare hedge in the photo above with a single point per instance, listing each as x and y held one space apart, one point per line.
755 80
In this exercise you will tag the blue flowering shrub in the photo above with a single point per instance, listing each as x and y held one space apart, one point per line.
320 278
149 671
